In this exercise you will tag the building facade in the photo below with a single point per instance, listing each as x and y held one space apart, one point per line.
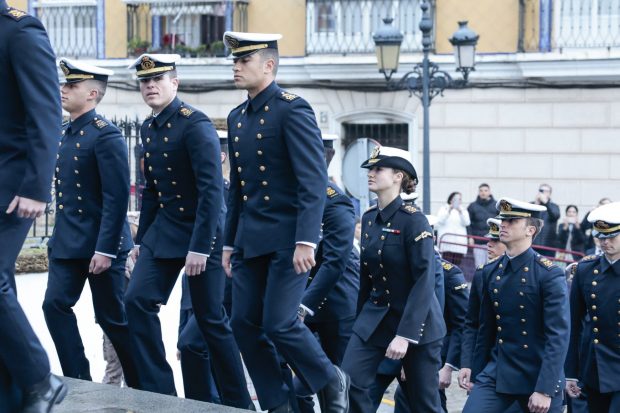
542 106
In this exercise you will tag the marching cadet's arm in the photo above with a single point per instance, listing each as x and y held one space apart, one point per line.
470 329
577 315
203 146
365 284
234 198
305 148
440 288
457 297
421 258
556 331
113 165
338 229
486 331
38 86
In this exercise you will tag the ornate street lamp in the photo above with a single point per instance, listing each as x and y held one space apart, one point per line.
425 80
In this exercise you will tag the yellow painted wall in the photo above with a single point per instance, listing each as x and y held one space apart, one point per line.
531 25
496 21
19 4
287 17
116 29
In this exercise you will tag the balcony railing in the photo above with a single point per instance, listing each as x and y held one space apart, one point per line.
346 26
586 24
191 28
71 26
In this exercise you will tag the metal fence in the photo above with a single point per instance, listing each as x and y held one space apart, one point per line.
72 29
130 128
346 26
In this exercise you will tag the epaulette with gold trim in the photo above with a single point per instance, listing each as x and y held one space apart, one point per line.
289 97
492 260
187 112
461 287
545 262
331 192
589 258
100 123
16 14
447 266
423 234
409 208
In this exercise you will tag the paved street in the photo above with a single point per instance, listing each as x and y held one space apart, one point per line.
31 290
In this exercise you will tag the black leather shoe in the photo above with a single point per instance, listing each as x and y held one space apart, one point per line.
334 397
44 395
283 408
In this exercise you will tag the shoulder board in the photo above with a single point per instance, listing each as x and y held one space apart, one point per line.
187 112
461 287
423 234
409 208
447 266
589 258
289 97
100 123
490 262
16 14
545 262
331 192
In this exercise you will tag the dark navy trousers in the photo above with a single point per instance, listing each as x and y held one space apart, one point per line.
266 295
150 286
421 364
65 284
23 361
334 336
198 381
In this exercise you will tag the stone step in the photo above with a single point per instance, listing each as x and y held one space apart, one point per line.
86 396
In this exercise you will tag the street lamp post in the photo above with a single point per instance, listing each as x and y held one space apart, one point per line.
425 80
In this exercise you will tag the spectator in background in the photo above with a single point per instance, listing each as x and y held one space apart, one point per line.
452 222
548 235
586 228
479 211
570 236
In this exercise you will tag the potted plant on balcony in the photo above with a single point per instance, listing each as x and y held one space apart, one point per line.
136 46
217 48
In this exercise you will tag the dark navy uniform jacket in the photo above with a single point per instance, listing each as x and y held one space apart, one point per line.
595 295
472 320
278 176
524 325
457 296
30 133
183 195
333 284
92 190
397 278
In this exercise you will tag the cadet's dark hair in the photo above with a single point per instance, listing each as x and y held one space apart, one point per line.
100 86
484 185
273 54
536 223
408 183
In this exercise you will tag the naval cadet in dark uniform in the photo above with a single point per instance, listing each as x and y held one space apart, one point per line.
524 322
278 183
91 237
179 226
594 355
328 305
30 121
399 315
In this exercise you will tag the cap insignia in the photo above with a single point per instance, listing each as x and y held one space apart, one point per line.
601 224
64 68
232 42
505 206
147 63
375 152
